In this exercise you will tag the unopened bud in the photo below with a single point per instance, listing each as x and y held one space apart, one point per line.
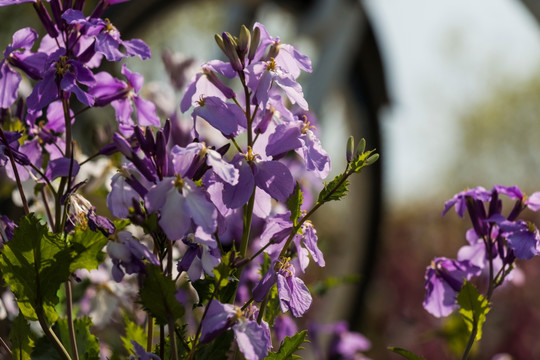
219 41
244 41
350 149
273 51
255 39
372 159
230 51
361 147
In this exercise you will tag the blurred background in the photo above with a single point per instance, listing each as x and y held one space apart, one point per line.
449 94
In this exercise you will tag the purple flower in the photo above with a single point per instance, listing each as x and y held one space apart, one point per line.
123 97
9 79
179 201
273 177
141 353
207 84
293 293
347 344
128 255
522 237
444 279
107 37
126 186
7 229
284 326
226 117
460 199
253 339
298 136
62 73
201 254
12 142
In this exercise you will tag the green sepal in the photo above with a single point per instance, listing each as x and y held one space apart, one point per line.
157 296
294 204
405 353
334 190
288 347
22 341
473 308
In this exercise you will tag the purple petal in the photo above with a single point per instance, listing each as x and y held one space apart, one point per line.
253 339
533 201
9 84
223 116
227 172
274 178
146 112
237 195
23 38
61 168
216 320
293 295
137 47
134 79
175 220
202 211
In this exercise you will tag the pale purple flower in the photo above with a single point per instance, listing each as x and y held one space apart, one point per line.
129 255
460 199
179 202
522 236
124 97
201 255
207 84
347 344
253 339
226 117
443 280
127 186
298 136
21 43
293 293
284 326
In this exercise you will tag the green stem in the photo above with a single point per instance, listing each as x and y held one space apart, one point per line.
5 346
149 333
16 172
470 343
71 327
52 336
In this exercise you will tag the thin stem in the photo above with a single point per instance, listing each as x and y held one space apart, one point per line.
248 216
52 336
47 208
16 172
5 346
199 328
162 341
71 327
40 173
172 339
470 343
149 332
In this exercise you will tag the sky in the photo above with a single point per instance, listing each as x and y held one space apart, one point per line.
441 57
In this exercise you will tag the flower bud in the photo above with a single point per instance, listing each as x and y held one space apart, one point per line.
45 18
230 51
350 149
361 147
255 39
372 159
244 41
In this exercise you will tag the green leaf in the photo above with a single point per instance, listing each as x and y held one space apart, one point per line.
22 343
288 347
294 204
405 353
218 349
334 190
133 332
35 263
273 309
157 296
86 249
364 159
87 344
473 308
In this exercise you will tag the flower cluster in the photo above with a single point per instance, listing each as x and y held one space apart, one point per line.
495 241
209 236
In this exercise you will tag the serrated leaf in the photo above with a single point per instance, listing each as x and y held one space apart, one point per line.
288 347
334 190
294 204
22 342
87 343
473 308
405 353
35 263
86 249
157 296
133 332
